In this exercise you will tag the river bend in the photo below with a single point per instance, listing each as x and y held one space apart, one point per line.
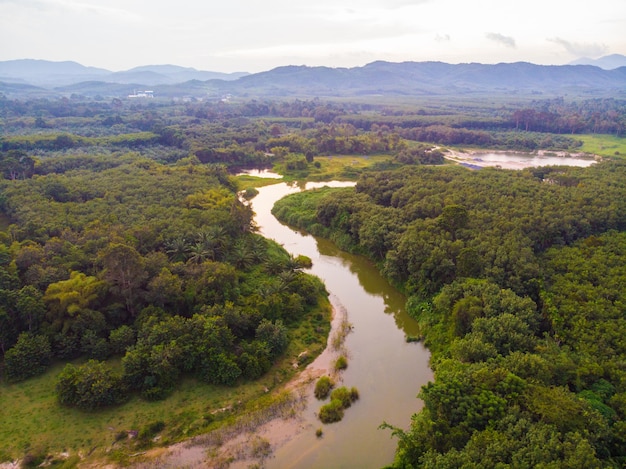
387 371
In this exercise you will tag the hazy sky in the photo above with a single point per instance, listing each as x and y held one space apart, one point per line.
256 35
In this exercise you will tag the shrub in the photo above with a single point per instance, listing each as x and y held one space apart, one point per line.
323 387
89 386
341 363
345 396
250 193
30 356
340 399
331 412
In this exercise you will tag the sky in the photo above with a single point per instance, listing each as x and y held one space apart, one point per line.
258 35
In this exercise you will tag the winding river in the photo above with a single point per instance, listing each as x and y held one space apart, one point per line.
387 371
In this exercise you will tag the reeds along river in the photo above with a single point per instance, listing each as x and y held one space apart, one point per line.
387 371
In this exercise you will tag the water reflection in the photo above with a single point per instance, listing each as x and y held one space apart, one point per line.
519 160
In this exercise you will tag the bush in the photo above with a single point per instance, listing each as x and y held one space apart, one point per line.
89 386
250 193
331 412
323 387
341 363
345 396
30 356
340 399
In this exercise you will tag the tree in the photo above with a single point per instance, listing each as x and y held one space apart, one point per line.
16 164
30 356
124 269
67 299
166 289
453 218
274 335
121 339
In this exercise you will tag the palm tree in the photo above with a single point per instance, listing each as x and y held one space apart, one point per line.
198 253
215 240
258 246
242 256
177 248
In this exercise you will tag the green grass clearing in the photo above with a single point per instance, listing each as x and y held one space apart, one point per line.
603 145
336 167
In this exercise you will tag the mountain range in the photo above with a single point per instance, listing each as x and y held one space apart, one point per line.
608 62
49 74
43 78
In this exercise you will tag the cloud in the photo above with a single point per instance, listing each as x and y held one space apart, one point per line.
506 41
591 50
442 38
402 3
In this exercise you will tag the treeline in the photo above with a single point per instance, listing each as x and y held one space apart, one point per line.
55 142
158 265
514 278
558 116
527 141
252 133
604 116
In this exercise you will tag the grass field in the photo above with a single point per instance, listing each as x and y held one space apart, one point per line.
33 424
603 145
336 167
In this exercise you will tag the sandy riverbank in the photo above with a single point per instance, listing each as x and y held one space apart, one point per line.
254 438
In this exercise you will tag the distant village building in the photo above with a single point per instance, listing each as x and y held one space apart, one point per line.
142 94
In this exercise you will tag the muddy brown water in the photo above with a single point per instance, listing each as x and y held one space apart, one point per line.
387 371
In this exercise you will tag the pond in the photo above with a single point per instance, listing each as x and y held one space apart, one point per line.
515 160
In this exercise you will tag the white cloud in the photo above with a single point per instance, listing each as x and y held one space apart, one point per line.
592 50
252 35
501 39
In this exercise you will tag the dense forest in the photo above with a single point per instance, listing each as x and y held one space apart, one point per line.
516 278
127 256
159 265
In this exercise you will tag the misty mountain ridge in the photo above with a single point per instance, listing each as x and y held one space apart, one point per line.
376 78
49 74
608 62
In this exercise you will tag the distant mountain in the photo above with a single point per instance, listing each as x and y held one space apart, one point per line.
608 62
57 74
46 73
178 74
431 78
20 89
377 78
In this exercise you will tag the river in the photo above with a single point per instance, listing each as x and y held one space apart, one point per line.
387 371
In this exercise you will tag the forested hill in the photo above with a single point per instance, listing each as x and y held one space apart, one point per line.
376 78
425 78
